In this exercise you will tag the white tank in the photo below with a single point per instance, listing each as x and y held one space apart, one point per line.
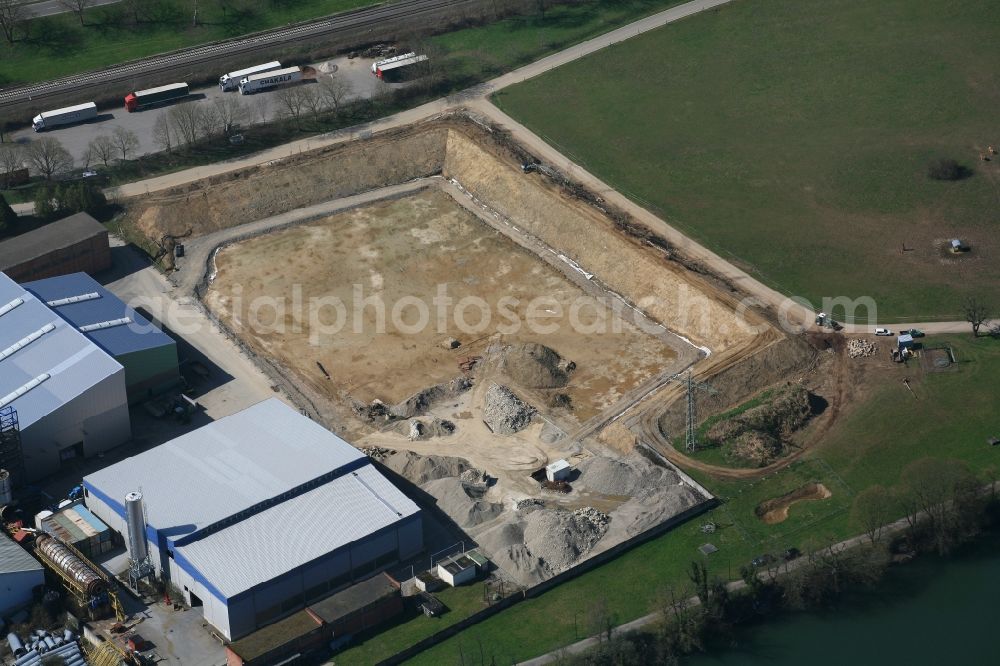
136 523
6 492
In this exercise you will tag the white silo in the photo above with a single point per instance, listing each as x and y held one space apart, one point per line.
135 519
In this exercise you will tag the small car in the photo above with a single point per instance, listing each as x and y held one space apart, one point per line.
916 333
883 331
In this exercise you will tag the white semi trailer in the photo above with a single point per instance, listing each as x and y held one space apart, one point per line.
258 82
67 116
231 81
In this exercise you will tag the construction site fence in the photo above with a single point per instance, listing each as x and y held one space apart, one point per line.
545 586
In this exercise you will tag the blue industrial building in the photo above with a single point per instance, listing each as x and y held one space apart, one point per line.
260 513
148 355
67 393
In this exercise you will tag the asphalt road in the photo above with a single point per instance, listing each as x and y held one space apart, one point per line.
50 7
356 72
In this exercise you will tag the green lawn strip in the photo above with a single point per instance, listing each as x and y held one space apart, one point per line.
59 46
793 138
954 414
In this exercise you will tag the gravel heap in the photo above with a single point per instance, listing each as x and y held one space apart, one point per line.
504 412
421 469
560 538
463 503
533 365
598 518
609 477
859 347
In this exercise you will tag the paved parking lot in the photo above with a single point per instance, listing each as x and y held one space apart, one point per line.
356 72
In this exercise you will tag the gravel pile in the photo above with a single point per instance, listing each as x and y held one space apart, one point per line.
463 503
608 476
597 518
419 403
559 539
504 412
535 366
859 347
421 469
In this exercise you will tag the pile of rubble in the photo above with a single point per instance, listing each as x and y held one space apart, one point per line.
598 519
859 347
376 452
504 412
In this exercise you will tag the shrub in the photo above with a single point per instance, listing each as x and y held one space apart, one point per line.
946 169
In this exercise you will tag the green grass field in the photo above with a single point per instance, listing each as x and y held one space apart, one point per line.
952 415
794 137
58 46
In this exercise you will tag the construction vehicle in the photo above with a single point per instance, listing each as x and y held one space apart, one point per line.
257 82
231 81
141 99
65 116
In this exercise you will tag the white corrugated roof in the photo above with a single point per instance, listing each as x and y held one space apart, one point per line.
36 341
297 531
226 467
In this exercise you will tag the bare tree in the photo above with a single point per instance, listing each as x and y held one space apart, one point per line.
11 16
134 9
335 92
229 113
186 121
102 148
976 313
11 158
78 7
872 510
261 108
313 101
126 142
48 157
163 134
291 103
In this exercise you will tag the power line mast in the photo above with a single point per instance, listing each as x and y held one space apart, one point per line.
686 380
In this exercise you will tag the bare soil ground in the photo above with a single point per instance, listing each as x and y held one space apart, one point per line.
402 252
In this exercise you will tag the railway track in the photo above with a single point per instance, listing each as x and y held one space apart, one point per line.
354 21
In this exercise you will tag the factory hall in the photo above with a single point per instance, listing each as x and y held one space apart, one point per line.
256 515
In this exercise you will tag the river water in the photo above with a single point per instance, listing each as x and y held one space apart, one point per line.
930 611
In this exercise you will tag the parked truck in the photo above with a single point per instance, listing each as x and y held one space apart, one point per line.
258 82
231 81
141 99
71 114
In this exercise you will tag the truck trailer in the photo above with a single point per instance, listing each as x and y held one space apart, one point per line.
393 68
67 116
258 82
141 99
231 81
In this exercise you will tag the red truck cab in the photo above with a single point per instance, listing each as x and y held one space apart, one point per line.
131 102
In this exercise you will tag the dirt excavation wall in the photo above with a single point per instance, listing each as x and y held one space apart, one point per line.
641 274
253 194
778 361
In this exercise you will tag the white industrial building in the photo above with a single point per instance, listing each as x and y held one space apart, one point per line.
68 394
259 513
20 574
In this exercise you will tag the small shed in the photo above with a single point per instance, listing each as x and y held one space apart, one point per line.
957 245
558 471
457 569
904 341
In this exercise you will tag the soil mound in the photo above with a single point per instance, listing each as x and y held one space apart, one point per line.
463 503
560 538
776 510
418 403
420 469
757 435
533 365
608 476
504 412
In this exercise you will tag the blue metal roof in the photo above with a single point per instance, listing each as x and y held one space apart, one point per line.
86 309
44 361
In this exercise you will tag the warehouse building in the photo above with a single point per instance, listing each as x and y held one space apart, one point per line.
20 574
148 355
260 513
76 243
67 394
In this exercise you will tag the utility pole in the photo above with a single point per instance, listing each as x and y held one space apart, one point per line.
690 437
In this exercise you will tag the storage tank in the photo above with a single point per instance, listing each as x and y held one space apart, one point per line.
58 554
136 522
6 492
